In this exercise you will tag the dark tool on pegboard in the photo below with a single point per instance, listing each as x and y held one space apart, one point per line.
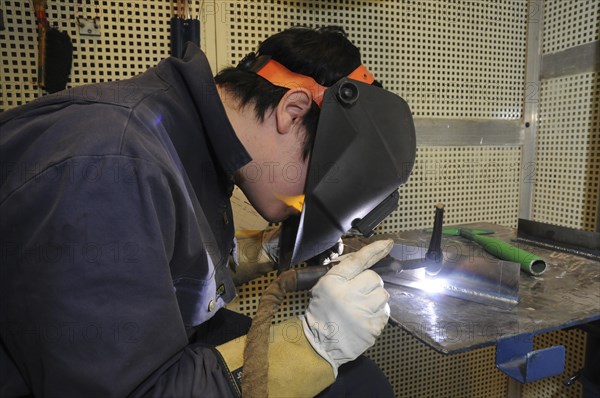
55 52
183 29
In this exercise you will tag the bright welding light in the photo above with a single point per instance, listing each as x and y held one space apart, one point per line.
434 285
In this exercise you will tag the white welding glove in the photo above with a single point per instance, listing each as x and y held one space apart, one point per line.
349 306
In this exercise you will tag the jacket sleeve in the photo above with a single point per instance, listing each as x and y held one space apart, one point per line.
88 304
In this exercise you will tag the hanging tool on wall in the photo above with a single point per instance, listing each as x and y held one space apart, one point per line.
183 28
88 26
55 52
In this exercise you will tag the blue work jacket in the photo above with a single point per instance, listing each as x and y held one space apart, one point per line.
116 228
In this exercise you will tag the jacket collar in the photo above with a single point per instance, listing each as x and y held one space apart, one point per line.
198 80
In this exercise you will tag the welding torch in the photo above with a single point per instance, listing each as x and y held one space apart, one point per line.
305 278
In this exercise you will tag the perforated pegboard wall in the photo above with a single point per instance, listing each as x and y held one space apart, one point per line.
567 176
574 342
474 183
568 23
568 163
415 370
461 59
134 36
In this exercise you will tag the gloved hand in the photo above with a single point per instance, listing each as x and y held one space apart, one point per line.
328 255
349 307
347 312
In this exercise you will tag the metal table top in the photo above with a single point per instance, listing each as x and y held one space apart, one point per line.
567 294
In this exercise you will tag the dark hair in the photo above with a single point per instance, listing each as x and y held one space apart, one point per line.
325 54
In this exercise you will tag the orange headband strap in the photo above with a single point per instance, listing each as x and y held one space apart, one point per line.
281 76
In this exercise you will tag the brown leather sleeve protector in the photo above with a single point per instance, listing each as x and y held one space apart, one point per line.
295 368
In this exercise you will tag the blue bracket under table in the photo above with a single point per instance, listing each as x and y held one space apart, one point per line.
516 357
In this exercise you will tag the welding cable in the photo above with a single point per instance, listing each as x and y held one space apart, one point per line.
256 352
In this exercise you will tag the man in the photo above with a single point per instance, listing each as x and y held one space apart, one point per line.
116 232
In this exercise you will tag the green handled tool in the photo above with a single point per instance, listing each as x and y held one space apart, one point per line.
529 262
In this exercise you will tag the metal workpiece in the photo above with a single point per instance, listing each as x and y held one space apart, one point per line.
456 274
476 279
566 295
559 238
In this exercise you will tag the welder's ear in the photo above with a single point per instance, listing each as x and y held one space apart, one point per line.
294 104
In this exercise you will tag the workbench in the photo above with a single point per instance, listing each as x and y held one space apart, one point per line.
566 295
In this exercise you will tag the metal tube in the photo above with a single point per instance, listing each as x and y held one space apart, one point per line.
530 263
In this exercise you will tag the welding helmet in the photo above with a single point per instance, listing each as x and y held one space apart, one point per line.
363 151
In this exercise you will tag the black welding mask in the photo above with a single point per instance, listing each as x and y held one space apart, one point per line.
363 151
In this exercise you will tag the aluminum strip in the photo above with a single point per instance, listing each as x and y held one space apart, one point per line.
530 106
573 61
468 132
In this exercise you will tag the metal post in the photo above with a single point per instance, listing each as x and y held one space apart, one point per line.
514 388
535 10
598 212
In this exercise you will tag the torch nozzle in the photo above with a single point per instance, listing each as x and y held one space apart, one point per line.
435 244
